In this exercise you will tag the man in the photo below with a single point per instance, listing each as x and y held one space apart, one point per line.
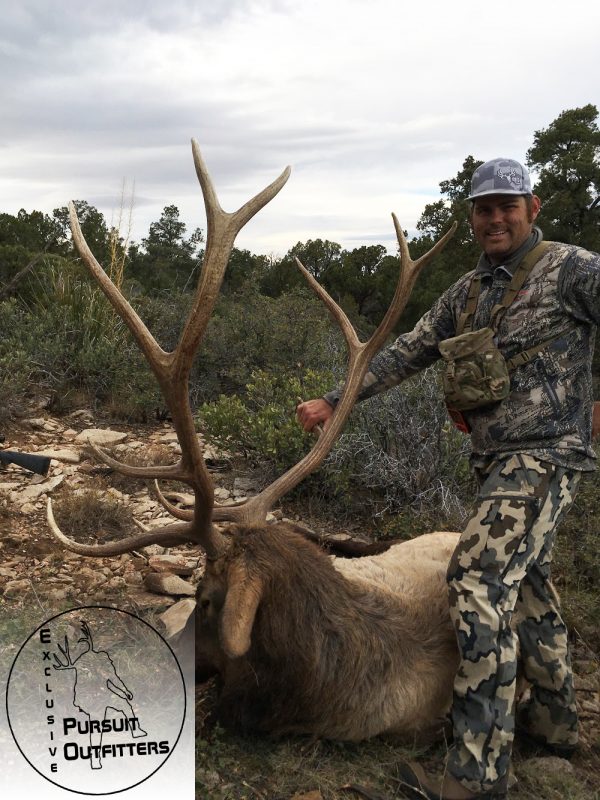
529 450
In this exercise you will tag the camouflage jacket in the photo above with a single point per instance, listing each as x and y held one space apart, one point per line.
549 408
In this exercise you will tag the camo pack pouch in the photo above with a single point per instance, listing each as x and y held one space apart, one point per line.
476 373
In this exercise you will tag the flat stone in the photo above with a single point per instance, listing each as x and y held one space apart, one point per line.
176 617
100 437
176 565
168 584
31 493
37 423
67 456
143 600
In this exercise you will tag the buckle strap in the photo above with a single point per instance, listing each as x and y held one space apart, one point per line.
527 355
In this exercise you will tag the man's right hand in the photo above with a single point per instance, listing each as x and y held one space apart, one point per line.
314 412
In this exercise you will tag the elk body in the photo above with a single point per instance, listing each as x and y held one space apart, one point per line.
338 648
301 641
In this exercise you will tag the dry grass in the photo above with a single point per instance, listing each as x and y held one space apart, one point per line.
92 515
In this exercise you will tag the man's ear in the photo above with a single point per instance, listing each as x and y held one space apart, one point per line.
536 205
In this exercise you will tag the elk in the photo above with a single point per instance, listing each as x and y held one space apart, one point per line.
301 641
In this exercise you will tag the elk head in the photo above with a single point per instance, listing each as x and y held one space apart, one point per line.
229 597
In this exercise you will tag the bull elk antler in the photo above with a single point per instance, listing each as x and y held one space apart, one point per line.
172 371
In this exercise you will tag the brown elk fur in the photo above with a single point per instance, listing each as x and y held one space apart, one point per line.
313 650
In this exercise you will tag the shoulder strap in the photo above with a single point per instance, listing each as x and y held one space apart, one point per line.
465 320
519 277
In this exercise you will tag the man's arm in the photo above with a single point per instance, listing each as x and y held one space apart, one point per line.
579 286
409 354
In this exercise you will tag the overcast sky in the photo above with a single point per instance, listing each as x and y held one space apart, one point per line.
372 103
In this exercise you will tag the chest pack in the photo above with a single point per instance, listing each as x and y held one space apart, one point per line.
476 373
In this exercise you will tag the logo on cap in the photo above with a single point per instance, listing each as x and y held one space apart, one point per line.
510 175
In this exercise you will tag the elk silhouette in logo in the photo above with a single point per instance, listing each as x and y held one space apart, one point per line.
97 689
300 641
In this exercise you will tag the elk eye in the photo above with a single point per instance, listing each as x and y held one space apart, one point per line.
205 603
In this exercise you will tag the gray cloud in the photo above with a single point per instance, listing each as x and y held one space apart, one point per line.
370 121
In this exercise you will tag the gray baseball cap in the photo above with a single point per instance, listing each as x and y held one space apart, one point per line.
500 176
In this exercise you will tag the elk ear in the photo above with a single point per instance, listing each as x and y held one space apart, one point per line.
237 617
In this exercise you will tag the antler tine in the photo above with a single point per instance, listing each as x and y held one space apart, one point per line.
409 270
155 355
173 472
221 229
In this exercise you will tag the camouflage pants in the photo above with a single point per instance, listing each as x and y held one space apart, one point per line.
498 581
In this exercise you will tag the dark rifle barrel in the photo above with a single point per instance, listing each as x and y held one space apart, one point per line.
39 464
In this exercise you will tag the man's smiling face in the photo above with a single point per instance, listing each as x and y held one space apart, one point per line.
502 222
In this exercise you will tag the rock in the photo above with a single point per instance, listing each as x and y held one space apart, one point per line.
181 498
143 600
100 437
68 456
37 423
145 506
82 414
168 584
176 617
176 565
222 494
244 486
133 579
56 595
6 573
154 549
31 493
315 795
168 437
51 426
549 765
17 588
116 583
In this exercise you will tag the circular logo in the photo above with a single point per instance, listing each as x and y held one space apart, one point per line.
96 700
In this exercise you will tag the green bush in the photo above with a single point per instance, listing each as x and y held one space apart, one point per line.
15 367
400 451
250 332
262 425
69 341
